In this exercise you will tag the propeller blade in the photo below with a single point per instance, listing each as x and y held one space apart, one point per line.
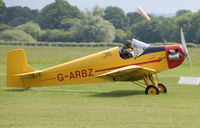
186 53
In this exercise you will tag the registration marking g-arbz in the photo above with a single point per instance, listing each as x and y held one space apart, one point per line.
75 74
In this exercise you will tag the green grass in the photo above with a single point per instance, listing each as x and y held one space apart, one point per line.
110 105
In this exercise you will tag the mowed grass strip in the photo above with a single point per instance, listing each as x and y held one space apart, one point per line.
110 105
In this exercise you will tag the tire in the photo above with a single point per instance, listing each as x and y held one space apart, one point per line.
162 88
152 90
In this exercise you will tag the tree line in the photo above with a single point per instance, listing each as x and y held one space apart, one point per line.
62 22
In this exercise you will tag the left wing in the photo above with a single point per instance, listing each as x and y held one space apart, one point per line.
128 73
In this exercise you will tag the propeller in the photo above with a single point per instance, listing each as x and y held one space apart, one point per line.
186 53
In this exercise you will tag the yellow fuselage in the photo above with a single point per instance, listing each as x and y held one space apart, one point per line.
86 69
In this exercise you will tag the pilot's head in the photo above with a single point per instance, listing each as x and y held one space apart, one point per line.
128 44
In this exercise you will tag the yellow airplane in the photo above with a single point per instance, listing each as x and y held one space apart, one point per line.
105 66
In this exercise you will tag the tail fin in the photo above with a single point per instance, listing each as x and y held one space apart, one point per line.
17 64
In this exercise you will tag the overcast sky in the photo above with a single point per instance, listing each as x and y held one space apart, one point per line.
150 6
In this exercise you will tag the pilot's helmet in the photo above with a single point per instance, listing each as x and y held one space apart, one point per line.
128 44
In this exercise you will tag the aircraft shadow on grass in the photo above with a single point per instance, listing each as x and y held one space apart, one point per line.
49 90
15 90
119 93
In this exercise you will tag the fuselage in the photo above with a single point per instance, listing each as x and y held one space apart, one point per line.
86 69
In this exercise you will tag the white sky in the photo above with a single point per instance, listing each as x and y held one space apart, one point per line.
150 6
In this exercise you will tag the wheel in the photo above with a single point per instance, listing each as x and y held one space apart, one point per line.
162 88
152 90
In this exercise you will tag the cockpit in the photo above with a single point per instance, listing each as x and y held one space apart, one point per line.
136 49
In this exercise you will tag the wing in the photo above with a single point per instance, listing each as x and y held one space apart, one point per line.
128 73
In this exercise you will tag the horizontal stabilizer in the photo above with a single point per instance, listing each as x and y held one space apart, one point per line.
30 74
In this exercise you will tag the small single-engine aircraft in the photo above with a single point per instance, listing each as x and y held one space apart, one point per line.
105 66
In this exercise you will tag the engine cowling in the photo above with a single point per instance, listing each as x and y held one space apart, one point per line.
175 55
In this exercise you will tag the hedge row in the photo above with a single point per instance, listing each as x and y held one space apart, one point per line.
189 45
74 44
61 44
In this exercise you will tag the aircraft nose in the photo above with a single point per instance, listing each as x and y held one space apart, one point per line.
175 55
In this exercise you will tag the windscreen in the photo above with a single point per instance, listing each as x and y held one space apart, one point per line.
139 47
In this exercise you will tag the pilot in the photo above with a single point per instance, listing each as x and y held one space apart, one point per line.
127 50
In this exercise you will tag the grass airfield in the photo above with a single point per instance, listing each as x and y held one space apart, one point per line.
110 105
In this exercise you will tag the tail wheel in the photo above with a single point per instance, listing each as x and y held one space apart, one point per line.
152 90
162 88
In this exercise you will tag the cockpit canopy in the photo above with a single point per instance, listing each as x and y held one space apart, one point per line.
139 47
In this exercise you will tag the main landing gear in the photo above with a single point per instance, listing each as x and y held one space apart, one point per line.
154 88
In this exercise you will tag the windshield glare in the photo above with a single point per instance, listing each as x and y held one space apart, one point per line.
139 47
